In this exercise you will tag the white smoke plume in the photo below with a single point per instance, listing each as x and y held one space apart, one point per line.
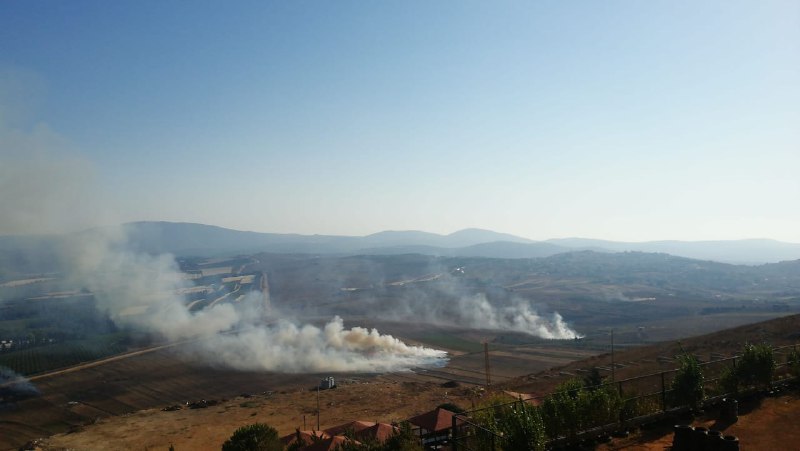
520 316
139 290
330 348
43 189
447 301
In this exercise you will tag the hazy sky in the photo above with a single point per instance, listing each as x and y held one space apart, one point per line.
628 120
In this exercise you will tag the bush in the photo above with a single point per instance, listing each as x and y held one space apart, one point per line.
573 408
254 437
508 426
756 367
522 428
687 387
560 410
599 406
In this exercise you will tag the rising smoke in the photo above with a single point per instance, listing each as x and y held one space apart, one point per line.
520 316
139 291
46 190
446 300
14 387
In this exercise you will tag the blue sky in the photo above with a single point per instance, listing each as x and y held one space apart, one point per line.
622 120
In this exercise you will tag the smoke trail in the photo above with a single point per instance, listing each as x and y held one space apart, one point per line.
447 301
139 291
14 387
520 316
43 189
287 347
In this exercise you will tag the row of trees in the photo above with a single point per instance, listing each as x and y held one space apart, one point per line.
577 405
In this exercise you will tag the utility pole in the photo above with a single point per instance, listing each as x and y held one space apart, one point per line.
317 407
486 358
612 355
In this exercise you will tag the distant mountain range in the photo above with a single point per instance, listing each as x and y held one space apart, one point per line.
186 239
751 251
199 239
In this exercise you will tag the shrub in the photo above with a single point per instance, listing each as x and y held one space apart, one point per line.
560 410
757 366
573 408
488 417
687 387
514 426
522 428
599 406
254 437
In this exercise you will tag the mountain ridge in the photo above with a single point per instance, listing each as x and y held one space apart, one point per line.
184 239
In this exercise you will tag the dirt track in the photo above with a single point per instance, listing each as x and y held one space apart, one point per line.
94 363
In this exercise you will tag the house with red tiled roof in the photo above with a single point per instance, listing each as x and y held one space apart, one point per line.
364 430
434 427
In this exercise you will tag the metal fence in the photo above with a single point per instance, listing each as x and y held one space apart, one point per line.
645 398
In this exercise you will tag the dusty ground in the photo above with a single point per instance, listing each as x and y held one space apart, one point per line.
764 424
383 398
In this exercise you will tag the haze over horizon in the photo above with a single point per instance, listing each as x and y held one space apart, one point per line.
467 229
616 120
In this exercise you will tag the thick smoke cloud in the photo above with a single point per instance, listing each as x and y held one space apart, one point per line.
330 348
139 291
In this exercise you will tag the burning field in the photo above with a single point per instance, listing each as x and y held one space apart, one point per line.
214 337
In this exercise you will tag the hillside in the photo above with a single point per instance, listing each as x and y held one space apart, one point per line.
638 361
750 251
396 396
26 254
